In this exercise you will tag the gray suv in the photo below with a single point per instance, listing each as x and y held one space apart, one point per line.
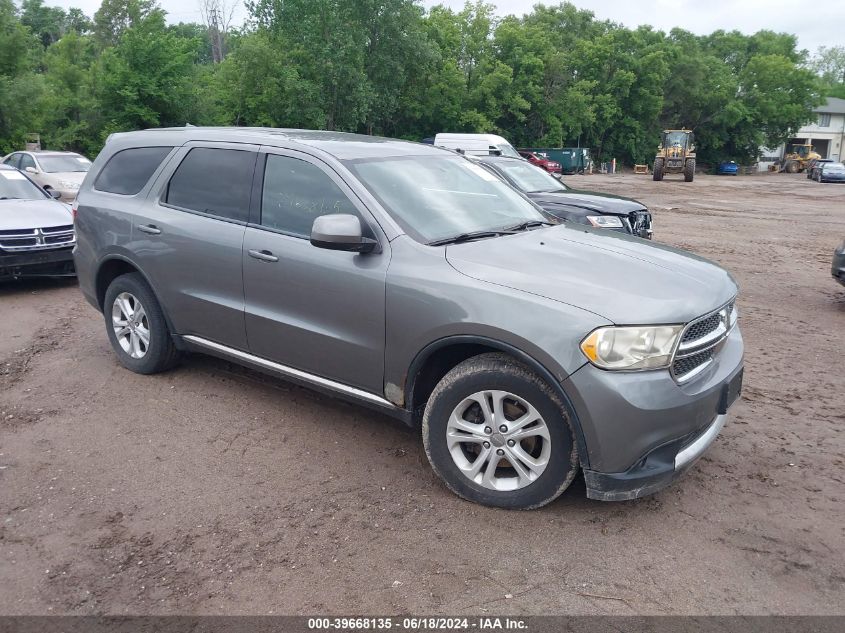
411 280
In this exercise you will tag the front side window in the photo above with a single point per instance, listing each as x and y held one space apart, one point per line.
438 197
528 178
296 193
214 181
26 161
128 171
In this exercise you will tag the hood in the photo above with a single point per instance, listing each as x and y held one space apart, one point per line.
33 214
604 203
624 279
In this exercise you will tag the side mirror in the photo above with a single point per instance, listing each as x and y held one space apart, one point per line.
30 170
341 232
54 194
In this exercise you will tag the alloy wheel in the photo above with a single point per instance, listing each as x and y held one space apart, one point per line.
131 325
498 440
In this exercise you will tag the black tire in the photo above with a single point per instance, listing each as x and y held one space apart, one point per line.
497 371
160 354
658 169
792 167
689 170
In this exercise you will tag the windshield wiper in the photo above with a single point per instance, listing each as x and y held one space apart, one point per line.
468 237
9 198
527 225
556 190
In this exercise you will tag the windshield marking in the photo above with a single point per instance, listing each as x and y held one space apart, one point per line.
464 193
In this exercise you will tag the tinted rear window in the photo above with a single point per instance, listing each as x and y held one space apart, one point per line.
214 181
129 170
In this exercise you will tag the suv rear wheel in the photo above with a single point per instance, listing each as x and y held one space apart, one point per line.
136 326
497 434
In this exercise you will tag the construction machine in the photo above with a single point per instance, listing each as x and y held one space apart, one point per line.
796 161
675 155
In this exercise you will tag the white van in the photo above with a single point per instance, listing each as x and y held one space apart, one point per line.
476 144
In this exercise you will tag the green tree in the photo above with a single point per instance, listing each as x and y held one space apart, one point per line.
21 88
829 64
145 80
47 23
114 17
70 112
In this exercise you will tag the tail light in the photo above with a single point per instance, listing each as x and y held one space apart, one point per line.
74 210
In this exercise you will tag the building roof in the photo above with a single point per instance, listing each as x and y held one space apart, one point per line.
833 105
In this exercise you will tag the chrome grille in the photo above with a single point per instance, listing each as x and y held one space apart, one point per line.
685 365
37 239
700 341
702 328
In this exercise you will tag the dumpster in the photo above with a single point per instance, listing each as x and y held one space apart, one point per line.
572 159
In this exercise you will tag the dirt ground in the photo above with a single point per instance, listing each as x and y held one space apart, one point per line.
213 489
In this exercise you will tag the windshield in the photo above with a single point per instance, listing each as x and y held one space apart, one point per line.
15 186
675 138
837 168
508 150
528 178
64 163
438 197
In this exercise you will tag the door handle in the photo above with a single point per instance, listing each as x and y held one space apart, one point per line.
264 256
150 229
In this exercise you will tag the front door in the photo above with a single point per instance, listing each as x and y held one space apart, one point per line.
316 310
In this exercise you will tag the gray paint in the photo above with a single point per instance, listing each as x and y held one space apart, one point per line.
362 319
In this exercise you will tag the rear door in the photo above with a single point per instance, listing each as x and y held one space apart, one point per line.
189 238
316 310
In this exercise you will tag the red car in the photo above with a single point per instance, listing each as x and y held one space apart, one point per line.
541 161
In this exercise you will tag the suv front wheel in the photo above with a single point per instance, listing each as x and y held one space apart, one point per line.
136 326
497 434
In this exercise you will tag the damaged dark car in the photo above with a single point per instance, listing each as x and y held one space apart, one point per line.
601 210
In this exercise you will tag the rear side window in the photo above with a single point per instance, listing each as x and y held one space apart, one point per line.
129 170
13 160
214 181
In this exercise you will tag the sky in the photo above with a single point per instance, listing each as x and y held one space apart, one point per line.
815 23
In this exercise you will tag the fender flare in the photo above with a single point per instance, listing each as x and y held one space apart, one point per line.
527 359
121 257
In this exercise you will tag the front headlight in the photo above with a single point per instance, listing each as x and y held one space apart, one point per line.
605 221
67 184
631 348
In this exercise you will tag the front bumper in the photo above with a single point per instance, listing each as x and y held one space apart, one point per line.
655 471
37 263
642 429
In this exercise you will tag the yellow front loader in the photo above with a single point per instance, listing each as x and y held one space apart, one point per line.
796 161
675 155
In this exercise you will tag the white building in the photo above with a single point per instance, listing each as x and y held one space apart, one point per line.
827 133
